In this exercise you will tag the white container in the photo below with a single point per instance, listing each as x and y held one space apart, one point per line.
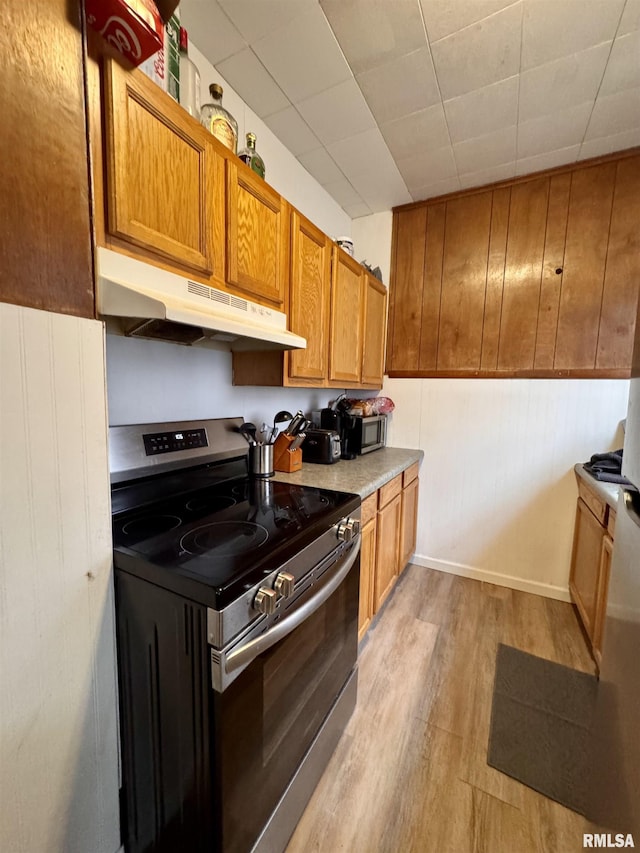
345 243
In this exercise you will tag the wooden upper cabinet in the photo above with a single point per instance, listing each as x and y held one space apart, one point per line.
165 181
345 345
374 328
257 236
309 299
533 277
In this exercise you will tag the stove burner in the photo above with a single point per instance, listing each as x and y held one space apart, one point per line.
151 525
224 538
209 504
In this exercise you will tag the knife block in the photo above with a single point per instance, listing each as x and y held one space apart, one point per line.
284 459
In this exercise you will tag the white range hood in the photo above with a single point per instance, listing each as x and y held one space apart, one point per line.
174 308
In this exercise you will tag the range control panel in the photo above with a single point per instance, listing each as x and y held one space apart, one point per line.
169 442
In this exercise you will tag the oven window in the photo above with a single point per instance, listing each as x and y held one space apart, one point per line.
268 717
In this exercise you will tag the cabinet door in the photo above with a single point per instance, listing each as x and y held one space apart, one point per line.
257 236
165 181
606 554
367 573
585 565
345 346
387 550
374 329
309 298
408 523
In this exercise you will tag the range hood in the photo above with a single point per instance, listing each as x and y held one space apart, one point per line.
164 306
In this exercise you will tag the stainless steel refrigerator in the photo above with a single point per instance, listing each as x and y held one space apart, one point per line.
615 782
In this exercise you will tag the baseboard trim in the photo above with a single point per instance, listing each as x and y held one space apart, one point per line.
522 584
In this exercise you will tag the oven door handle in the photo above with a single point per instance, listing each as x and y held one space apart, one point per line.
245 654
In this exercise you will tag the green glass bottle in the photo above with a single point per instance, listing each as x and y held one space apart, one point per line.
250 156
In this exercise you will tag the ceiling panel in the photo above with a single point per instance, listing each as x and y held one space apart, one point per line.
303 56
387 100
253 83
480 54
337 113
563 83
555 28
386 89
483 110
373 33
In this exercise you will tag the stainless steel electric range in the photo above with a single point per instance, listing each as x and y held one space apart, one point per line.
236 609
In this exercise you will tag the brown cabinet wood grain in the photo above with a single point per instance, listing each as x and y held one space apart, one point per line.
345 342
374 324
367 575
408 523
257 236
309 300
165 180
591 563
387 550
531 277
45 236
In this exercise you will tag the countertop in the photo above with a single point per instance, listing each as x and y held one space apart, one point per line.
608 492
361 476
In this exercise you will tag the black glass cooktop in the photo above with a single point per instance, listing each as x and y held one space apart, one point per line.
225 535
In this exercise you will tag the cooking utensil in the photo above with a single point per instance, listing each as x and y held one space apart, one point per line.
297 421
248 430
297 441
280 418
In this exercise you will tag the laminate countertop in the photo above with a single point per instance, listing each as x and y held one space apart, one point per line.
361 476
607 492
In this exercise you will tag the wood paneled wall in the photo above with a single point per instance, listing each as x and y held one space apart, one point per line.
537 277
45 235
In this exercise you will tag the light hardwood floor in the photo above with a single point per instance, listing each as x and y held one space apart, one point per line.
410 774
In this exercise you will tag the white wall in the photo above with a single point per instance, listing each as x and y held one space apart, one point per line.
58 744
497 489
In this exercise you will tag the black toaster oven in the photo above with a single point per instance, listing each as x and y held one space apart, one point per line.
322 446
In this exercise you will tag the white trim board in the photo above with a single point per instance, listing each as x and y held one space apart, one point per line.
522 584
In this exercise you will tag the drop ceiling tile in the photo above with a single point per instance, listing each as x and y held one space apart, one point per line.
210 30
337 113
303 57
382 188
357 210
480 54
448 185
608 144
623 67
343 192
555 28
372 34
630 20
248 76
320 165
364 152
292 131
614 114
256 20
551 132
483 110
442 19
488 176
400 87
571 80
486 152
559 157
424 129
428 167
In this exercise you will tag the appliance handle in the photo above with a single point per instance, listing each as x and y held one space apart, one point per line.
245 654
630 500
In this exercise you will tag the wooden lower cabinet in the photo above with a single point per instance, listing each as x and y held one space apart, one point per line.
409 516
387 550
591 563
367 564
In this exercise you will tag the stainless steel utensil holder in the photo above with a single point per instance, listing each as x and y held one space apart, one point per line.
261 460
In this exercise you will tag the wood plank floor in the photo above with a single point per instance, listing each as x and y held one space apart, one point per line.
410 771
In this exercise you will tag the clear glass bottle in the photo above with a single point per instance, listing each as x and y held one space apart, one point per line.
189 78
219 121
250 156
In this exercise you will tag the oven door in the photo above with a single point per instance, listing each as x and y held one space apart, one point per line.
265 721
